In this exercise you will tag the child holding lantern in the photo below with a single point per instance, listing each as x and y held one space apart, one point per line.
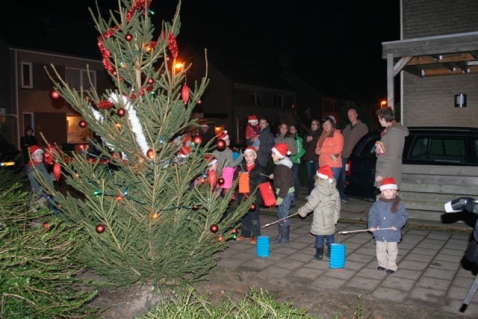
324 201
251 173
284 185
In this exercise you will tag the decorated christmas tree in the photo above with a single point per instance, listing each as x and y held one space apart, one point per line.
151 212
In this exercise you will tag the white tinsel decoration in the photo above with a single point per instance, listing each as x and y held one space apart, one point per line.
134 121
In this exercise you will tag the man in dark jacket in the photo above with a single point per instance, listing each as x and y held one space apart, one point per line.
310 158
267 142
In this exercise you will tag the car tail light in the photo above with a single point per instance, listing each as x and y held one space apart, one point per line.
348 167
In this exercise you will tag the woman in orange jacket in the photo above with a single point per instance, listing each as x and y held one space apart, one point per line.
330 146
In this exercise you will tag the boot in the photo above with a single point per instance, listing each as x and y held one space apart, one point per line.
319 253
285 229
256 231
278 238
327 251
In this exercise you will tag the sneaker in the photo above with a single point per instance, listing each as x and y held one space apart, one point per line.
253 240
345 201
390 271
381 268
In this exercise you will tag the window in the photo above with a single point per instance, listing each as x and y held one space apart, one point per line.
78 78
277 100
27 75
256 98
439 149
369 148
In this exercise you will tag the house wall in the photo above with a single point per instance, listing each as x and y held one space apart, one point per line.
430 100
36 100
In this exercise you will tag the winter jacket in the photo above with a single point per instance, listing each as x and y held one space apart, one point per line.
389 164
225 158
332 145
256 177
352 134
266 139
324 200
283 179
289 140
35 184
310 146
381 216
300 150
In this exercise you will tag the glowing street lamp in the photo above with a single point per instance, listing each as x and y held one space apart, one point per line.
383 103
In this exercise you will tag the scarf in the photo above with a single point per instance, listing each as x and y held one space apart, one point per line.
32 162
394 202
388 128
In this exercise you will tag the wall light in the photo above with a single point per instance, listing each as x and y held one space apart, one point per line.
460 100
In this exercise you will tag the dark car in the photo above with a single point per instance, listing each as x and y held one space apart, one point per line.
443 146
9 155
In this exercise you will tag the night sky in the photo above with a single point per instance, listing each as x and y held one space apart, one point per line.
331 44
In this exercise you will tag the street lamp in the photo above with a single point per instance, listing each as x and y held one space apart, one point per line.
383 103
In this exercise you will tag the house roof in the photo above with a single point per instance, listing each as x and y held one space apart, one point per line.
437 55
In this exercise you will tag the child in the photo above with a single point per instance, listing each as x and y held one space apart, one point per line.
284 185
36 165
324 200
252 132
387 212
251 225
225 157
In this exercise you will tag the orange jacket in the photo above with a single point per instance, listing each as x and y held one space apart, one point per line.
332 145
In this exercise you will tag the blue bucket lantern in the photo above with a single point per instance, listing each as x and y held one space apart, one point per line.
337 256
263 246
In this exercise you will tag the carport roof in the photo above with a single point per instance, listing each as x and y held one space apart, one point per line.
437 55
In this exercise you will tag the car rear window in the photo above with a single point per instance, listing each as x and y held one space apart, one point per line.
439 149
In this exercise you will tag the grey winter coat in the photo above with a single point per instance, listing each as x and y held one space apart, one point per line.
389 164
381 216
324 200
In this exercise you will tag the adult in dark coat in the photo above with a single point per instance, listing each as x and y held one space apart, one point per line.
25 142
310 158
267 141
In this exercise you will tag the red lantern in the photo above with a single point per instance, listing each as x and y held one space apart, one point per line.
57 171
100 228
214 228
185 93
220 145
54 95
83 124
121 112
197 139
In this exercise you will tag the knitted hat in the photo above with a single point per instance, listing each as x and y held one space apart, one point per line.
281 149
332 118
34 148
250 149
223 136
252 119
388 183
325 172
210 160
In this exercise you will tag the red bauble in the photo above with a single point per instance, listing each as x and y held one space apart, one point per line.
214 228
220 145
54 95
121 112
100 228
253 207
57 171
150 81
195 207
185 93
221 181
83 124
234 231
197 139
150 154
128 37
46 225
220 239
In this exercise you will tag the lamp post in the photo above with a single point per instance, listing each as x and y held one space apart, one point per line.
383 103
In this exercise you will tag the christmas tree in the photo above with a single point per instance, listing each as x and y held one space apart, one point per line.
147 206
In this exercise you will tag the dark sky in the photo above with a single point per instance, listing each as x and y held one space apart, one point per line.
334 44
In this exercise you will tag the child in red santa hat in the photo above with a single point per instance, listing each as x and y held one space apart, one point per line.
324 201
252 131
284 186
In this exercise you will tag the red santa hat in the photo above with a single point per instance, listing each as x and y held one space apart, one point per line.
388 183
34 148
223 136
184 152
281 150
250 149
210 160
252 119
325 172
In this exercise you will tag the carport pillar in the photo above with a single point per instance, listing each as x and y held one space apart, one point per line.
390 81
